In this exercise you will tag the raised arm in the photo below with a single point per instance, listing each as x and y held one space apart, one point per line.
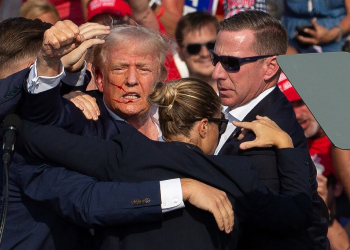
66 41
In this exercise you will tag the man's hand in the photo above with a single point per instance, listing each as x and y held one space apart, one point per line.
320 35
85 103
61 39
267 132
209 199
74 60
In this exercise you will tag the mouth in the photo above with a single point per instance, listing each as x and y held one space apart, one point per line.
205 62
223 91
131 96
304 123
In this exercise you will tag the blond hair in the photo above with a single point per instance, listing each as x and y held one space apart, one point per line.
181 101
34 8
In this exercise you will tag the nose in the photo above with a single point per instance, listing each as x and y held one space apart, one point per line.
131 76
219 72
204 52
297 112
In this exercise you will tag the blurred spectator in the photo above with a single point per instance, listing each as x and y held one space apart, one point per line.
275 8
41 9
70 9
330 21
220 10
169 13
143 15
196 34
320 148
108 12
232 7
9 8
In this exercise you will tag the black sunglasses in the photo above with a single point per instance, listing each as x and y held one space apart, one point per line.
222 122
231 63
195 48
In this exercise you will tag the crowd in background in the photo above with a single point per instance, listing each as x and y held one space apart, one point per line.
192 37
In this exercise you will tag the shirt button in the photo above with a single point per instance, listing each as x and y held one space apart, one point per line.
225 137
175 200
164 204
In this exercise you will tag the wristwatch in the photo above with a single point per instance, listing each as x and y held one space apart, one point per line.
340 34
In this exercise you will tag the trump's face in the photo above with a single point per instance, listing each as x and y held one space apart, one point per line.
126 79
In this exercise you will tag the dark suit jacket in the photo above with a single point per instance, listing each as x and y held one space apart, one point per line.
37 205
52 208
11 93
133 157
50 108
278 108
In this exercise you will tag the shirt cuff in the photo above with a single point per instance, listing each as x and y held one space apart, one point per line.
75 78
171 195
37 84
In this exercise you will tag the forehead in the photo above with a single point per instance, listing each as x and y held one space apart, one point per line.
132 53
235 43
205 33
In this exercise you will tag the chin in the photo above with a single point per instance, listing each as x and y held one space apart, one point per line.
226 101
311 131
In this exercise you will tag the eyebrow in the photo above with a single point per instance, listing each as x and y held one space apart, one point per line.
138 64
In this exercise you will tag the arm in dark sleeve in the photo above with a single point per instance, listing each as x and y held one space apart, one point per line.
49 107
90 156
66 89
291 209
85 201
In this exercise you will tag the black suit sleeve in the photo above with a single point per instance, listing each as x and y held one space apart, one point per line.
75 152
292 208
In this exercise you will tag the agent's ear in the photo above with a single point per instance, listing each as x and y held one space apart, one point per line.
99 79
271 68
203 126
30 64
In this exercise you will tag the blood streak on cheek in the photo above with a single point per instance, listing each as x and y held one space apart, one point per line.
121 101
119 87
117 101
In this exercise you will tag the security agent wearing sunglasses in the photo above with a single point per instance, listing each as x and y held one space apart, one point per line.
246 72
196 34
